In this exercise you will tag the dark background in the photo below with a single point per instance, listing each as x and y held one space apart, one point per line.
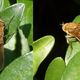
48 15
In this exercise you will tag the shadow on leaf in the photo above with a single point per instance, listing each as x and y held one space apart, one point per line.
26 29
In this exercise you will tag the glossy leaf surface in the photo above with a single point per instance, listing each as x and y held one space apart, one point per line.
27 21
41 48
12 16
72 71
55 69
20 69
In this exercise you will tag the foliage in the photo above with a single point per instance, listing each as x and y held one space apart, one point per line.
41 47
18 37
68 69
22 62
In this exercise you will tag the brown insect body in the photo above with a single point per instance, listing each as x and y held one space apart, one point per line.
1 44
72 29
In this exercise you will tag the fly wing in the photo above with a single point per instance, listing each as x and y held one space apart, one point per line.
76 33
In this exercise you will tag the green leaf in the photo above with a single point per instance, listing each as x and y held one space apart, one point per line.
9 50
74 45
77 19
6 4
24 43
16 46
11 43
41 48
73 48
12 17
55 69
27 21
1 4
72 71
19 69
